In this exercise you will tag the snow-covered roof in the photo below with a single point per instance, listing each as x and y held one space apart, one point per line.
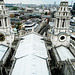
30 65
64 53
32 44
3 50
31 56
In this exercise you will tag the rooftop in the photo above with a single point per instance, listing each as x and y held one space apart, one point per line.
31 45
30 65
31 56
64 53
3 50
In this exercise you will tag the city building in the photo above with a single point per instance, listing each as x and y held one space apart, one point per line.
14 13
29 26
29 10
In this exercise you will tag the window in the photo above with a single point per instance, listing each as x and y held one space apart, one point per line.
64 9
2 37
0 23
0 12
66 14
66 3
62 37
61 8
5 21
63 23
4 12
63 13
63 3
59 13
2 7
58 23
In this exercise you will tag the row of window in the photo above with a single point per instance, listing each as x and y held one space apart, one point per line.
63 9
4 12
5 22
63 24
65 13
64 3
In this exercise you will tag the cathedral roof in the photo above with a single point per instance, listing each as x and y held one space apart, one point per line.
3 50
31 56
31 44
30 65
64 53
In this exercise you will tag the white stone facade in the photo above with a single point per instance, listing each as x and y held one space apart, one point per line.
60 33
6 34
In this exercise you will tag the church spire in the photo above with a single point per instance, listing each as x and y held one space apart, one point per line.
6 36
62 15
60 35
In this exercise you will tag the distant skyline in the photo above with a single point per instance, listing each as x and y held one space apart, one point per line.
36 1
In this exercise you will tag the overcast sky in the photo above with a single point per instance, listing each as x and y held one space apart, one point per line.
35 1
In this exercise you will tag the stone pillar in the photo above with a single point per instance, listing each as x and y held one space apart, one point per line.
3 22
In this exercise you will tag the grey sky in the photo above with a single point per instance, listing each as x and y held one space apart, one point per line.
35 1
